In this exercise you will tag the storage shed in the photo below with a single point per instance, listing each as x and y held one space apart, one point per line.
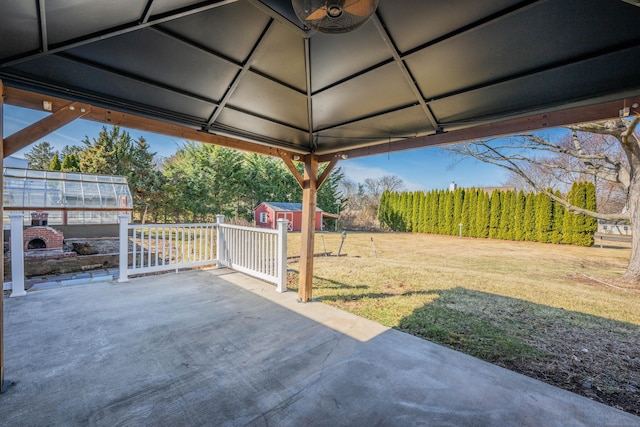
267 215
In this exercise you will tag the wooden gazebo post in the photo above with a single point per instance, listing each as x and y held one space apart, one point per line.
310 184
309 199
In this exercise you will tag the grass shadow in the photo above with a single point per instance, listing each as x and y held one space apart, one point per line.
595 357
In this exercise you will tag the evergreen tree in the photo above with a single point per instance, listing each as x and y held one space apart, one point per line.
507 216
458 201
473 213
482 219
422 213
442 212
383 208
70 163
518 217
402 215
466 212
415 209
55 164
40 156
530 232
448 209
568 223
591 225
544 217
430 211
408 212
494 214
584 226
558 220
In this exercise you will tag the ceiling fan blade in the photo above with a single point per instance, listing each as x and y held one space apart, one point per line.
317 14
357 7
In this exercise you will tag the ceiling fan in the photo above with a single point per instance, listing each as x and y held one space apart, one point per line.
334 16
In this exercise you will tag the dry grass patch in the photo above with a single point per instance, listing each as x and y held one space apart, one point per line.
543 310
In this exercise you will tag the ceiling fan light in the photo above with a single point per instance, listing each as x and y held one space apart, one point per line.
334 16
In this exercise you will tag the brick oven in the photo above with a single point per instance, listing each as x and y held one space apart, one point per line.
41 238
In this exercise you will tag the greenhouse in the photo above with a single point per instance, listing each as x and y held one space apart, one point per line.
67 197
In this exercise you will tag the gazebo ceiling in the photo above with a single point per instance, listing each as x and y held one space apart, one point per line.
249 70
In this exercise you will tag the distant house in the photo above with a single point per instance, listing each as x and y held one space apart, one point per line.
267 215
620 228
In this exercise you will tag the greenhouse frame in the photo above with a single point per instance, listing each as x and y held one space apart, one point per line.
67 197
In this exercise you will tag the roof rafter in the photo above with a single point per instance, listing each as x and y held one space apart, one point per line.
406 74
42 18
243 71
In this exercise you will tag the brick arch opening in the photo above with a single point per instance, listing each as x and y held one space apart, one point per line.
36 243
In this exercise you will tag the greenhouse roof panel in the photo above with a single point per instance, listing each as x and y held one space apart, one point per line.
35 189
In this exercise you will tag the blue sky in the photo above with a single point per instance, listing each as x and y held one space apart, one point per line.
425 169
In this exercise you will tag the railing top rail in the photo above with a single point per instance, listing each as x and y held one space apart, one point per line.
240 227
209 224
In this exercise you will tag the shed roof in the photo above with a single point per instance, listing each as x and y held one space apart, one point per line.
420 72
293 207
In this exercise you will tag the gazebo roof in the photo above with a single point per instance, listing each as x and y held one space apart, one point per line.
420 72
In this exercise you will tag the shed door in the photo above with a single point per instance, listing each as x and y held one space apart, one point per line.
288 216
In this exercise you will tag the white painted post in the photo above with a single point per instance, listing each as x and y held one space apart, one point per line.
123 259
220 246
283 224
17 255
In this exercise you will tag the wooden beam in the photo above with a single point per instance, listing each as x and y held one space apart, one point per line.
325 174
34 100
44 127
292 168
309 199
598 112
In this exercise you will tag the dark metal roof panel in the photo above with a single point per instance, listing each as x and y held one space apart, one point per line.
70 20
243 67
546 89
523 42
413 23
230 30
267 98
374 92
21 33
258 129
282 57
355 52
404 123
167 61
104 88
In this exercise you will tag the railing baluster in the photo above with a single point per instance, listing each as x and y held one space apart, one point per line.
156 230
135 247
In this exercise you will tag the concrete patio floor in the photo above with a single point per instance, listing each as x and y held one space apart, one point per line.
219 348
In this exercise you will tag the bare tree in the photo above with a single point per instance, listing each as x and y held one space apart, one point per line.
362 200
606 153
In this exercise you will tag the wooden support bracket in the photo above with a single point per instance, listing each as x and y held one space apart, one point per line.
292 168
327 171
44 127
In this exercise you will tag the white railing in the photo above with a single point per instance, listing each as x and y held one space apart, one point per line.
158 247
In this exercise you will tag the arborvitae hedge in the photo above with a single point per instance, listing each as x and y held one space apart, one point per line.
503 215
